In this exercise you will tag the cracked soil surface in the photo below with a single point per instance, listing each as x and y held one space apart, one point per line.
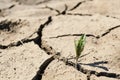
37 39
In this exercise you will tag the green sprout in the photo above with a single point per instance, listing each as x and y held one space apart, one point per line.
79 46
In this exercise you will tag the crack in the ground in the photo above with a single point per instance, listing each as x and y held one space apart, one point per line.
58 12
64 11
80 14
41 2
2 11
48 49
113 17
109 30
91 72
37 40
10 7
89 35
83 14
78 4
65 35
42 68
18 43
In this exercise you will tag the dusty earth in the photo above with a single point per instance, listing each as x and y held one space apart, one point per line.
37 39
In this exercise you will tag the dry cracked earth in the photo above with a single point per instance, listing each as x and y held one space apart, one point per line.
37 39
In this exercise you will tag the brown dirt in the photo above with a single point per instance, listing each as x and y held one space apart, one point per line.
33 32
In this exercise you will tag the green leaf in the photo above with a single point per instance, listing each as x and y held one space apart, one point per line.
79 46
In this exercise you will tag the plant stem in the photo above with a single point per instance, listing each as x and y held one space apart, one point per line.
76 62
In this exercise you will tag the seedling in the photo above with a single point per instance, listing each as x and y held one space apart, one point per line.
79 46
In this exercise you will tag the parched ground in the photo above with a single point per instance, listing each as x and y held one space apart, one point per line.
37 39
